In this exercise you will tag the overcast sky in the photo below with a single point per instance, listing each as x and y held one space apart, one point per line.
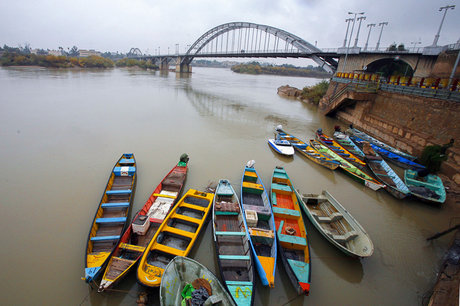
118 25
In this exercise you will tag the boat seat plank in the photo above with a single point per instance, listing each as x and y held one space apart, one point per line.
226 213
238 283
285 211
234 257
115 205
164 195
177 231
104 238
186 218
124 171
230 234
122 191
127 161
285 188
132 247
327 219
292 239
195 207
110 220
168 250
345 237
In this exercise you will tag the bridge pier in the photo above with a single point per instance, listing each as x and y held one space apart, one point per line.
183 67
164 64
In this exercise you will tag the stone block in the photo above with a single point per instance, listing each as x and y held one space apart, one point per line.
408 135
400 132
456 178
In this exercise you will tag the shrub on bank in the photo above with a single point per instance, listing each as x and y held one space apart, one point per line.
316 92
130 62
14 59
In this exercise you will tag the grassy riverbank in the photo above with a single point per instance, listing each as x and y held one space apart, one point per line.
289 70
52 61
315 93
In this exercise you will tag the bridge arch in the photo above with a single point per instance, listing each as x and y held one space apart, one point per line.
389 66
134 52
255 39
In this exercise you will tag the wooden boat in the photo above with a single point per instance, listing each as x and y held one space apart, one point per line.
393 183
111 215
293 244
182 271
260 224
308 151
232 245
144 225
336 224
392 157
345 141
429 188
175 236
347 167
339 150
281 146
378 143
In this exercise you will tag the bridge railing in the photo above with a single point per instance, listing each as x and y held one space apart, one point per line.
360 85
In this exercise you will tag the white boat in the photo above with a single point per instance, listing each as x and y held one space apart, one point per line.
281 146
336 224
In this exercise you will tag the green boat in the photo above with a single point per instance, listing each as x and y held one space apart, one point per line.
185 273
429 188
349 169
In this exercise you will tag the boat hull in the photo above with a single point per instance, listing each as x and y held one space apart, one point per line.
283 150
182 271
430 190
111 217
293 244
353 240
175 237
140 232
258 218
231 241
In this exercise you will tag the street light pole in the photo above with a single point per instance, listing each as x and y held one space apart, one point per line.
415 43
370 25
380 36
351 35
445 8
359 27
346 33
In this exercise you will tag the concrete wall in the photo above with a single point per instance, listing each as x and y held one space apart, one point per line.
408 122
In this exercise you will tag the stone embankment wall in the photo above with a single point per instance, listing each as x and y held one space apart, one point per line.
408 122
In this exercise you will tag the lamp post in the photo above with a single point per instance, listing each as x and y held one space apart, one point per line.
380 36
415 43
346 33
177 49
351 35
168 50
359 27
158 50
370 25
445 8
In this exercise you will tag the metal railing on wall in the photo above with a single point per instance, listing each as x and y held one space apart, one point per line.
358 85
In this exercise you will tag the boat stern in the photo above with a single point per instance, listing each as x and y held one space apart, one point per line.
305 288
91 273
149 275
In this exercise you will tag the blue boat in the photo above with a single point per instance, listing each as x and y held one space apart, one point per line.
378 143
259 221
383 172
392 157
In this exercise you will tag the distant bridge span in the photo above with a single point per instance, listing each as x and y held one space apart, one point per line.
245 39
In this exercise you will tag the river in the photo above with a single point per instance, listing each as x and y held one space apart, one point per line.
61 132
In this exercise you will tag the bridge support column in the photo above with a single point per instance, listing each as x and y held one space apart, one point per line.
182 67
164 64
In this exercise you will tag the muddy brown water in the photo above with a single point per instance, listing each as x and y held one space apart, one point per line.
61 131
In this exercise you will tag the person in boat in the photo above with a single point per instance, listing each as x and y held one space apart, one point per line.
433 156
319 131
337 128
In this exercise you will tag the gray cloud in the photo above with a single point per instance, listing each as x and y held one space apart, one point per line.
119 25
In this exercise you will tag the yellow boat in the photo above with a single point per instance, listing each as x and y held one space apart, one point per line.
175 237
111 216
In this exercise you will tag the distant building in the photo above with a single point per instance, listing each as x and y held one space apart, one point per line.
55 52
86 53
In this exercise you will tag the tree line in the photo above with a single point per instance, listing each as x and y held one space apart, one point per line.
286 69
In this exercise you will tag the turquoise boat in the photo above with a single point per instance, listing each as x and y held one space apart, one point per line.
345 141
258 218
232 246
429 188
